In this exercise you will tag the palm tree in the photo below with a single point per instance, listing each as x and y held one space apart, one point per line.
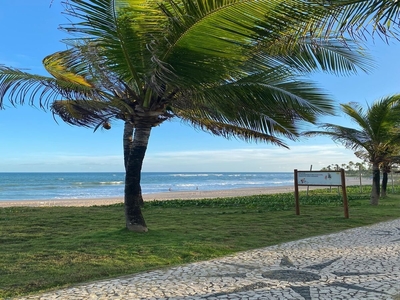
230 67
386 167
360 166
378 133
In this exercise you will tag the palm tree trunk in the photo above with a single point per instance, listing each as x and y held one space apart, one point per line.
386 168
384 183
375 184
133 193
127 141
127 144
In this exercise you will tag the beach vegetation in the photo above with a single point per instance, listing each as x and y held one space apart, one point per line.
45 248
232 68
375 139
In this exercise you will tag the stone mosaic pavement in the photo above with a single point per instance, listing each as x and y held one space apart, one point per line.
360 263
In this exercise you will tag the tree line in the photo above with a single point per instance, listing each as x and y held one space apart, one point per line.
350 168
365 169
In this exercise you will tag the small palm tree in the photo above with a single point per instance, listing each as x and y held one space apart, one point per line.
391 157
378 134
386 168
230 67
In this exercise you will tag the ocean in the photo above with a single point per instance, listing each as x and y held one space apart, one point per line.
48 186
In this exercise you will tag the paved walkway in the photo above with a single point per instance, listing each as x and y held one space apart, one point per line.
360 263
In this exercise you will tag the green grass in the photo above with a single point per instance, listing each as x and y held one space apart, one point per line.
51 247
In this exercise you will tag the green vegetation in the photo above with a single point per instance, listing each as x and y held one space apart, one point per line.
51 247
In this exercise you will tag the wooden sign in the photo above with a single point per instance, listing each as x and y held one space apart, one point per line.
320 178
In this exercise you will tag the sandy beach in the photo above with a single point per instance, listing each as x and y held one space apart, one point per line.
169 195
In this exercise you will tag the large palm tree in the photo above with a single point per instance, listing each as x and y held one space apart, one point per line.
377 135
230 67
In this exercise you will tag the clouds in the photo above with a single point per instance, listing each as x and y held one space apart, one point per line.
63 162
253 159
250 159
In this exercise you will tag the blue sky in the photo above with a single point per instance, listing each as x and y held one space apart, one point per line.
31 141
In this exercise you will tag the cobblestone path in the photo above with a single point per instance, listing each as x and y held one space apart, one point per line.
360 263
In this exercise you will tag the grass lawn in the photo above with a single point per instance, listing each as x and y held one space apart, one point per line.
51 247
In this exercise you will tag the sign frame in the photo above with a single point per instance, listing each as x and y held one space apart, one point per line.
320 178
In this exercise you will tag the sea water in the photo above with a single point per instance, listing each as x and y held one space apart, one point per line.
38 186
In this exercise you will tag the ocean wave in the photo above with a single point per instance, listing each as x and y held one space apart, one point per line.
81 183
111 182
186 185
195 175
280 182
243 175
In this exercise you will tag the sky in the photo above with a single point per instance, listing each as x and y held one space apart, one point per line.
32 141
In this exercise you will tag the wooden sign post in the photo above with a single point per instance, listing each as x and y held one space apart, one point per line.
320 178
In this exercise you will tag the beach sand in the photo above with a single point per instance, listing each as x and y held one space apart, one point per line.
168 195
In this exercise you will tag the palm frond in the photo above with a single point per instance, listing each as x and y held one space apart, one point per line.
378 135
228 130
213 40
351 138
273 93
21 87
273 106
328 55
360 17
124 30
82 113
60 66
